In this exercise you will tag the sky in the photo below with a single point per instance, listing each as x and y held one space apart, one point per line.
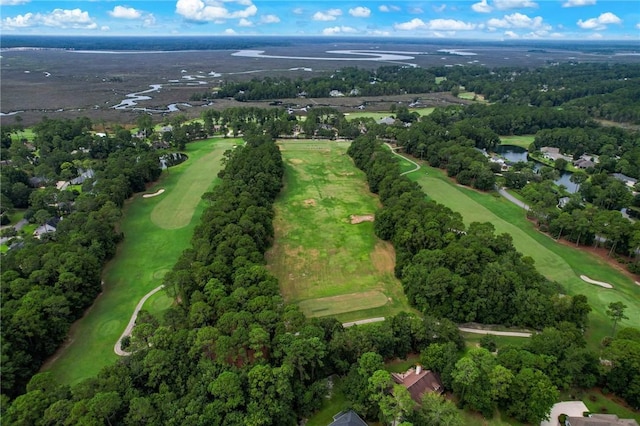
476 19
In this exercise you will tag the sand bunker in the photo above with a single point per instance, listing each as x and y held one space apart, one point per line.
355 219
158 192
310 202
590 281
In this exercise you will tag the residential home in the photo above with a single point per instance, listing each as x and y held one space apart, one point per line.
584 164
418 382
387 120
44 229
347 418
600 420
627 180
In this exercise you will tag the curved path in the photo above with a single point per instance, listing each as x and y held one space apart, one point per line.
513 199
132 322
495 333
404 158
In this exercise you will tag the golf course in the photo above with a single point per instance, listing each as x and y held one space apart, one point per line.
157 227
326 256
558 262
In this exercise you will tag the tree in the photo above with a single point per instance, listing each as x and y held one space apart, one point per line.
435 410
616 313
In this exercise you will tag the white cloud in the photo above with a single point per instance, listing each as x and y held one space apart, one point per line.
513 4
269 19
105 28
416 11
60 18
339 30
69 18
435 25
149 20
638 25
20 21
388 8
511 34
599 23
13 2
360 12
230 31
578 3
414 24
329 15
518 20
244 22
440 8
595 36
298 11
482 7
213 10
123 12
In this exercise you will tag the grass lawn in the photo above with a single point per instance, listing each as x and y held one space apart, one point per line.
380 115
523 141
330 407
472 96
323 262
556 261
146 254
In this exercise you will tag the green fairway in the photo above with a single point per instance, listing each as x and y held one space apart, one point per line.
556 261
324 262
523 141
381 115
146 254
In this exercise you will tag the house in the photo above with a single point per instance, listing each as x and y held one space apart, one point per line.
84 175
584 164
44 229
629 181
600 420
418 382
347 418
387 120
553 153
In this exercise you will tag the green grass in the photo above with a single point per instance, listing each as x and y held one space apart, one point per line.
330 407
380 115
24 134
556 261
599 403
472 340
523 141
146 254
318 253
472 96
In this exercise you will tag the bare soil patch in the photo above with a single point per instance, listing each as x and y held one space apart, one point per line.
355 219
384 257
310 202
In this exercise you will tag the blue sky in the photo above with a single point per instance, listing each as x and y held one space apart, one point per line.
478 19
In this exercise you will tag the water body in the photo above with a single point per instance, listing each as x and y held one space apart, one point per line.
515 154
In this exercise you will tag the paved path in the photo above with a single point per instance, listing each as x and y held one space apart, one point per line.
404 158
364 321
132 322
513 199
495 333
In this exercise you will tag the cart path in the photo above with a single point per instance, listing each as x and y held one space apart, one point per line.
495 333
132 322
513 199
393 150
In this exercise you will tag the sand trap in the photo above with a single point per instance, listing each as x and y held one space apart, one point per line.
590 281
310 202
637 283
361 218
155 194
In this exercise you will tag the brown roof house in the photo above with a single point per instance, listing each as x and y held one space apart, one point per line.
418 382
600 420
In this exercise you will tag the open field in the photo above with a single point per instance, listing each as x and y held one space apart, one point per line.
561 263
324 262
523 141
384 114
146 254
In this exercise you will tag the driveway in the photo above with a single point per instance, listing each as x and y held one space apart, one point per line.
570 408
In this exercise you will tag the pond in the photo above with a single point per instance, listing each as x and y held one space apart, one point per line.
516 154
